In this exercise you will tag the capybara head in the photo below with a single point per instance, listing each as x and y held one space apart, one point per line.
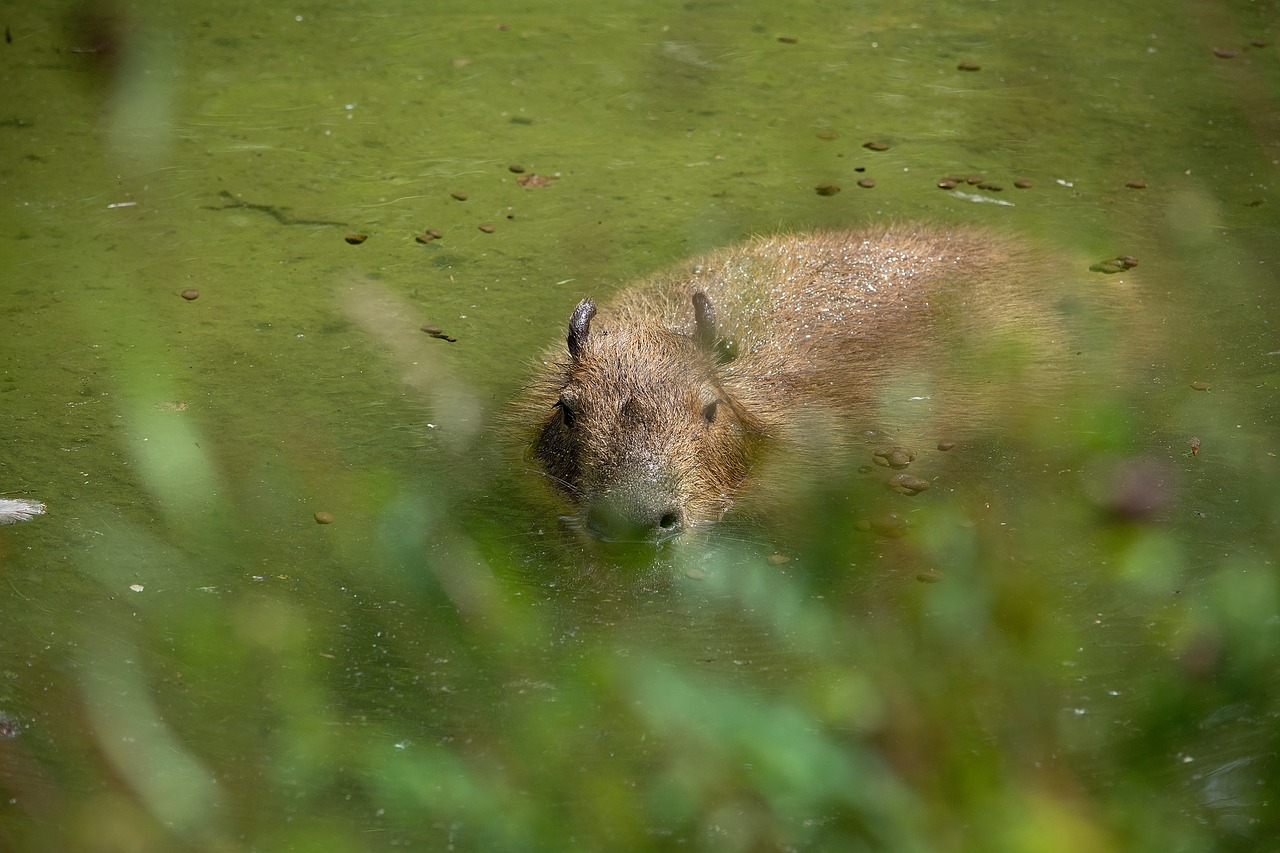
642 438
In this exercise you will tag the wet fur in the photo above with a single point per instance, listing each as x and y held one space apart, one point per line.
779 339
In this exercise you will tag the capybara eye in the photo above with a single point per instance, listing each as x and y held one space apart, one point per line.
709 411
566 412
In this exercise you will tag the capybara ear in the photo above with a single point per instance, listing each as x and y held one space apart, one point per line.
704 320
707 334
579 326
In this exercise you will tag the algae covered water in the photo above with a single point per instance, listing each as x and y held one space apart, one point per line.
289 591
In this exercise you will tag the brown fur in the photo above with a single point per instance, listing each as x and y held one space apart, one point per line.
652 424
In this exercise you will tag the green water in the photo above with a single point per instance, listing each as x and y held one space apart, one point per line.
190 661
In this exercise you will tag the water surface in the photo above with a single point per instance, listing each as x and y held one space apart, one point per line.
1076 639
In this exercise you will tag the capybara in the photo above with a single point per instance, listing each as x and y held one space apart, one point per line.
649 424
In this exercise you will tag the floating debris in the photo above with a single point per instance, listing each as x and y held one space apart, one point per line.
908 485
535 180
437 332
980 198
19 509
1115 265
893 457
279 214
